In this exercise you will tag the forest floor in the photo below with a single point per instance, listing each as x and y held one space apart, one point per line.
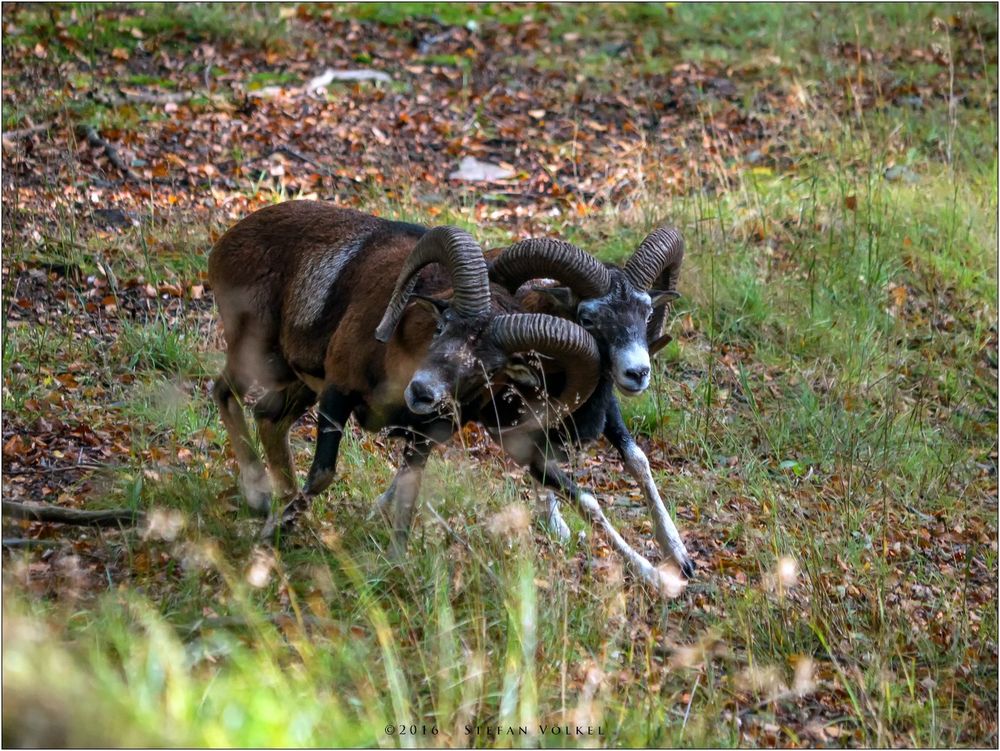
823 426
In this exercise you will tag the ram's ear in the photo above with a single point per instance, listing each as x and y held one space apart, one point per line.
523 374
659 343
662 297
433 305
562 298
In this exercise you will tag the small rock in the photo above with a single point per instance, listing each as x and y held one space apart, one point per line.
899 172
615 49
471 169
113 218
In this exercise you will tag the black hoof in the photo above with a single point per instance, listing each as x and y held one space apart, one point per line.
687 568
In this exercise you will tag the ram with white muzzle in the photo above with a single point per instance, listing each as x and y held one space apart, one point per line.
623 308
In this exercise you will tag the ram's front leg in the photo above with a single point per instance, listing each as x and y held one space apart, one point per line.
384 503
637 465
333 413
666 531
551 476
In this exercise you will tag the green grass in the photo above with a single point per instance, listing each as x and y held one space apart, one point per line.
271 78
91 29
450 14
828 398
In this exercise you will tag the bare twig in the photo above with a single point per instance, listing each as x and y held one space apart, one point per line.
687 712
94 139
44 512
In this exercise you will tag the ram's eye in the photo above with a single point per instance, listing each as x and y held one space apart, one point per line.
649 316
586 321
439 328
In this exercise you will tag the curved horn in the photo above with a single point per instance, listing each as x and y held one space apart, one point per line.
657 259
543 257
570 345
458 251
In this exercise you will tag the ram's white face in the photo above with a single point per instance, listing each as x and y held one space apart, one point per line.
630 368
617 322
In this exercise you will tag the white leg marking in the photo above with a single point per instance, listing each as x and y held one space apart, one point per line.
666 532
548 511
256 487
590 508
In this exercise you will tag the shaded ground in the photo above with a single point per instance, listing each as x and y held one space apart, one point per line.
829 400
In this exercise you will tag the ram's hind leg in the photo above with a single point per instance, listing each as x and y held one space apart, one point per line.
228 392
551 476
276 412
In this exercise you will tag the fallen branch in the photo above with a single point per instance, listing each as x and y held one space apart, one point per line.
687 712
145 97
45 512
24 132
50 470
94 139
289 151
28 543
120 97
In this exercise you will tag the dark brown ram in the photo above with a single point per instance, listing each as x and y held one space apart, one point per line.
303 286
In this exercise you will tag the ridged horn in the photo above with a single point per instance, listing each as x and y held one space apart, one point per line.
552 259
458 252
657 259
569 345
